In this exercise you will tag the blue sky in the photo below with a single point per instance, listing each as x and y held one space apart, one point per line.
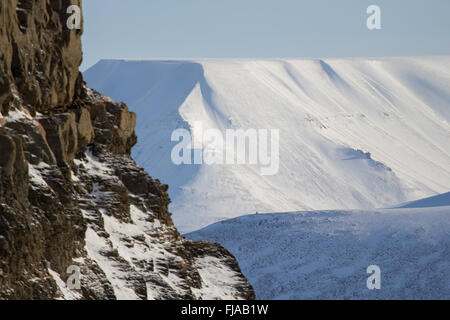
261 28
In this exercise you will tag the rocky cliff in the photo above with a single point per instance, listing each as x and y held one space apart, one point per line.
73 204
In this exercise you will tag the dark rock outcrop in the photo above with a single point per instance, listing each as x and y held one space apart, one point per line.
70 194
39 56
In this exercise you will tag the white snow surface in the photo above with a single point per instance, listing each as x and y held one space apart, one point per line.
216 279
331 113
36 178
436 201
325 254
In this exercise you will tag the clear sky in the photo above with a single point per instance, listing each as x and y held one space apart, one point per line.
261 28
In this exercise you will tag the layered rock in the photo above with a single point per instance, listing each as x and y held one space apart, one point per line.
39 56
71 197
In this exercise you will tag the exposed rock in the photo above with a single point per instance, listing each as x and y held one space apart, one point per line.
34 138
39 55
70 194
62 136
114 125
8 154
85 128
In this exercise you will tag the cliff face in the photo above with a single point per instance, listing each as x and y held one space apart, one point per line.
39 56
71 197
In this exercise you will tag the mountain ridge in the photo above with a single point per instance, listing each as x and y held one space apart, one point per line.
329 111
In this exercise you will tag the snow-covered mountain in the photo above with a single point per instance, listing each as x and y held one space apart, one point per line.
354 133
325 254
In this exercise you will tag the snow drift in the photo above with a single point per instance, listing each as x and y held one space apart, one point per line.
354 133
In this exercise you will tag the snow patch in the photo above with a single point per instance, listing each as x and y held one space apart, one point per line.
36 177
97 248
18 115
216 279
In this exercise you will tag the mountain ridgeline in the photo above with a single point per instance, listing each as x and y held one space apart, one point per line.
354 133
74 207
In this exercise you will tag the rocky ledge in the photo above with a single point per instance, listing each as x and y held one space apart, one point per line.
72 201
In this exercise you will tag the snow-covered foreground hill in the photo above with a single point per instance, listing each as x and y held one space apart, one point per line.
325 254
354 133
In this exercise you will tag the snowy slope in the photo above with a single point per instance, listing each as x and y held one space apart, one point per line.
325 254
331 115
435 201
